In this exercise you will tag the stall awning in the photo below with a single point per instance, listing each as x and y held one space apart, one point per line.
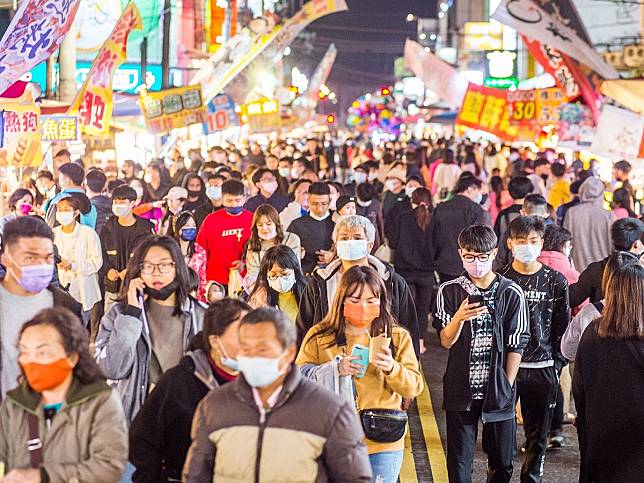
629 93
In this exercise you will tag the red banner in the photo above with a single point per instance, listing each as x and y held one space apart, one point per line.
566 72
487 109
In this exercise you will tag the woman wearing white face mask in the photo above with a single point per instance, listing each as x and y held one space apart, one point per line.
80 250
280 282
267 232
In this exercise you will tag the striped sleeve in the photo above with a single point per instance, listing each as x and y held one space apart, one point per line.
516 320
444 305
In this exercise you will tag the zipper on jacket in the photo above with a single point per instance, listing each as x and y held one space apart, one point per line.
260 443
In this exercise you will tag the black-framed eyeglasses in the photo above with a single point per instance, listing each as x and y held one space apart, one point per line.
483 257
164 268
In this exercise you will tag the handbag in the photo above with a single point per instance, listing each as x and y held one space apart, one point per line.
383 425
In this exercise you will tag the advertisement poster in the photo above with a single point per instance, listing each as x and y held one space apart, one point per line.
21 143
173 108
36 31
93 104
437 75
59 128
221 114
535 107
487 109
619 133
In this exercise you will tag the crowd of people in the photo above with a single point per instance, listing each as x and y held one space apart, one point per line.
260 314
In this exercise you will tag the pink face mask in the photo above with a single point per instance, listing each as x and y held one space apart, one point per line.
25 208
477 269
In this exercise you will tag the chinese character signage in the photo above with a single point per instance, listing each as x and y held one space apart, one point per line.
487 109
173 108
21 145
93 103
221 114
262 115
59 128
535 106
36 31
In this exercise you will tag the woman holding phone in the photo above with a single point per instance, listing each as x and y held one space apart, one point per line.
362 337
148 330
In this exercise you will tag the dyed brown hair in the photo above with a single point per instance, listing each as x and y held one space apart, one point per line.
623 314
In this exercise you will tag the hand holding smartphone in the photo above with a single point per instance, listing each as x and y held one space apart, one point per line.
362 353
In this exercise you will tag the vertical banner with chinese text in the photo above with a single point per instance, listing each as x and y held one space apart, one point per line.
487 109
21 144
93 103
36 31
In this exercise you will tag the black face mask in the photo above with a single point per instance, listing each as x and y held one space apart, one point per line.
162 293
194 194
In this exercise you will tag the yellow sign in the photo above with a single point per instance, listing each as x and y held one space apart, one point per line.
262 115
173 108
483 36
21 144
93 103
59 128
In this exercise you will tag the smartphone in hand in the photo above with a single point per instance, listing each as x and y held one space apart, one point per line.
362 353
476 299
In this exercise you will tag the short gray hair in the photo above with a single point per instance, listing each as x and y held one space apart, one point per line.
355 221
284 326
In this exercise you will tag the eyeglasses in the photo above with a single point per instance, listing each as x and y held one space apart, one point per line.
164 268
483 257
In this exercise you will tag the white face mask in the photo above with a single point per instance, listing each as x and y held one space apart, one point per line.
147 177
373 175
282 284
364 204
65 217
351 250
391 185
409 190
360 177
121 210
284 172
526 253
294 173
319 218
268 237
213 192
270 186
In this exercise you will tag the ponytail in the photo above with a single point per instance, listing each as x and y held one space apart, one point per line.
423 199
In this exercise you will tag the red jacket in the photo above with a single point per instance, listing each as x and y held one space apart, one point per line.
224 236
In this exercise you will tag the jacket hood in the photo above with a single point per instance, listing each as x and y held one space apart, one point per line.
554 259
591 190
78 393
332 268
202 371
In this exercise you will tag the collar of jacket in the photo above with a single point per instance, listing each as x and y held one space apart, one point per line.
78 393
244 392
203 371
330 270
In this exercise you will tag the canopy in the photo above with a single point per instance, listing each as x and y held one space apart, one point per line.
629 93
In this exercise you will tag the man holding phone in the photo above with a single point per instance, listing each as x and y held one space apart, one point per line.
481 317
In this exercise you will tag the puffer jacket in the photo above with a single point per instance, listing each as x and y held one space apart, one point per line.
124 349
87 440
319 292
309 436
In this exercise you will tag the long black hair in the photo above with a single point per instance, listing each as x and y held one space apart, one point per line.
179 222
182 275
217 318
74 339
285 258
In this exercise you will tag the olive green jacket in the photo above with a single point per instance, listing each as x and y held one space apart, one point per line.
87 440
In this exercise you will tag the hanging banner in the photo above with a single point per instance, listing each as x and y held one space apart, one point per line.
628 92
576 127
36 31
619 133
310 12
93 103
437 75
173 108
21 144
535 107
309 100
530 19
221 114
59 128
487 109
566 72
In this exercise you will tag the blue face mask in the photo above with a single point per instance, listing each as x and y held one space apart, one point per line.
229 362
259 371
351 250
188 233
233 210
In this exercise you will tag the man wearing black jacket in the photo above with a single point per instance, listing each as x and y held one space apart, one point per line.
449 219
482 318
26 288
627 235
354 236
546 292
